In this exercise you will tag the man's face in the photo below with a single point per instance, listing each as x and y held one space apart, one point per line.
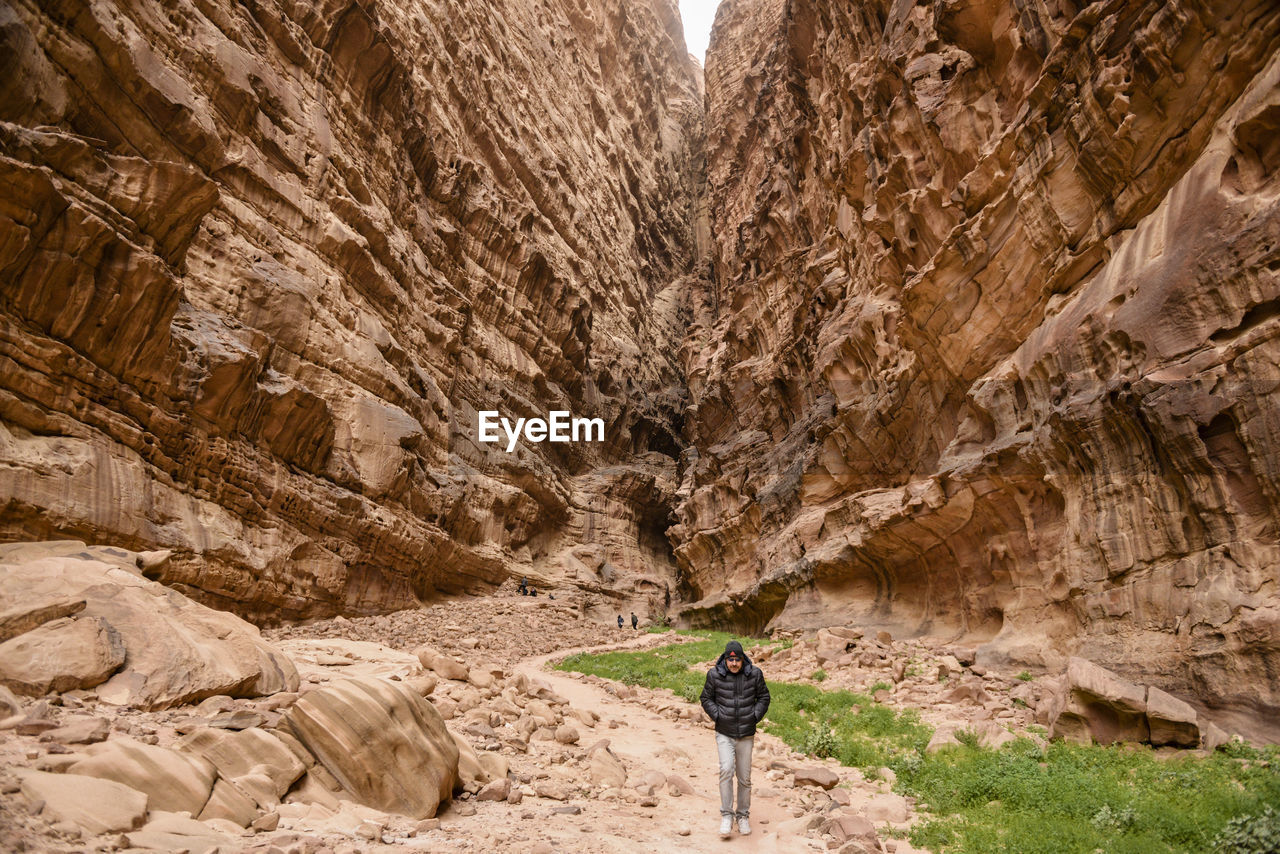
734 663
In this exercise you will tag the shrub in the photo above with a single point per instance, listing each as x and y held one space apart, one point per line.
818 675
820 742
1250 834
1025 676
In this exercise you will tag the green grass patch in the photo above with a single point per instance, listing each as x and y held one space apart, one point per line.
1069 799
1059 799
664 667
851 727
818 675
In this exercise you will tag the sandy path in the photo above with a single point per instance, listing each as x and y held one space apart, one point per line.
645 740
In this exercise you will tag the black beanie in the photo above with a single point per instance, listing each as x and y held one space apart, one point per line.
734 646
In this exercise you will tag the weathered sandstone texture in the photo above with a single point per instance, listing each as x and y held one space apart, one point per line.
132 640
261 263
991 345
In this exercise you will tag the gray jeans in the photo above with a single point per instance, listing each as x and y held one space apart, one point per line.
735 754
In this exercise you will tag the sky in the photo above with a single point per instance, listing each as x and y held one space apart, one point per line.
697 16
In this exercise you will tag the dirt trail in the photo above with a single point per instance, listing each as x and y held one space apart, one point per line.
555 805
645 739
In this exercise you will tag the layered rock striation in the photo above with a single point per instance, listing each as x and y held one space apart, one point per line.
261 263
991 346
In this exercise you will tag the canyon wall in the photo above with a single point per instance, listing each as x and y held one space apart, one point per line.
262 262
991 346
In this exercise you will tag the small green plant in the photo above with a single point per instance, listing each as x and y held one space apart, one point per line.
1109 820
879 686
1020 703
969 738
821 742
818 675
1250 834
1025 676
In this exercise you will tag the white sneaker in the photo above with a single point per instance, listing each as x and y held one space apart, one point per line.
726 827
744 826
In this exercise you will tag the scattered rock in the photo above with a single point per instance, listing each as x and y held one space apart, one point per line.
820 777
79 729
496 790
1100 706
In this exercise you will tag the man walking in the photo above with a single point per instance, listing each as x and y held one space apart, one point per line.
736 698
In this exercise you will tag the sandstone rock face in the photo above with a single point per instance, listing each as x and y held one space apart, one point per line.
383 743
260 265
97 806
174 650
990 349
172 781
61 655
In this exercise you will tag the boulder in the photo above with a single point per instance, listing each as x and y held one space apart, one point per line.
93 804
385 744
176 650
1100 706
495 790
172 781
847 826
831 646
494 765
444 666
79 729
886 807
816 776
228 802
1171 721
240 754
471 774
944 735
61 655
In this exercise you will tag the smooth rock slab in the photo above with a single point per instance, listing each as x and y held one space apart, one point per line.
172 781
95 805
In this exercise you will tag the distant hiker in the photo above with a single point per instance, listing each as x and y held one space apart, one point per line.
619 621
533 591
524 586
635 622
736 698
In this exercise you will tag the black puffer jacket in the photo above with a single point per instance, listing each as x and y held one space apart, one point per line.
735 701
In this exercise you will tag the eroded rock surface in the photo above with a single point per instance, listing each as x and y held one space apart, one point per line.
262 264
134 641
990 349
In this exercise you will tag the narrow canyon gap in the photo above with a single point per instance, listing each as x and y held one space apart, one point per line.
955 318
